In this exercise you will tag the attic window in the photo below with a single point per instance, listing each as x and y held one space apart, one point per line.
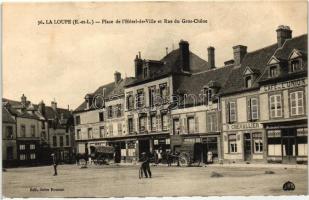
248 81
273 71
295 65
208 92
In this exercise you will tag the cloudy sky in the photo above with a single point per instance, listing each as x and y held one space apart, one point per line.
65 62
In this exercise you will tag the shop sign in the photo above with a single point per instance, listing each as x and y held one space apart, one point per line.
131 145
274 133
241 126
284 85
302 132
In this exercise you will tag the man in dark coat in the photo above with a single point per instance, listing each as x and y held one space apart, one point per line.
55 163
145 165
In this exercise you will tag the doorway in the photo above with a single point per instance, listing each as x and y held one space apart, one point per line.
288 146
143 146
247 147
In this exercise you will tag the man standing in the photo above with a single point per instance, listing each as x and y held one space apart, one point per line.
145 165
55 163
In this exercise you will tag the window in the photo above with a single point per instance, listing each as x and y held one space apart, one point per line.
275 106
54 141
89 133
110 111
232 143
164 122
78 136
77 120
130 125
101 116
274 142
212 122
61 141
32 156
163 92
22 131
232 111
22 147
9 153
118 110
101 131
248 82
302 141
32 146
207 95
273 71
152 93
257 142
9 132
295 66
119 128
130 102
111 130
297 103
140 98
22 157
67 140
153 122
190 121
142 123
32 131
253 107
176 127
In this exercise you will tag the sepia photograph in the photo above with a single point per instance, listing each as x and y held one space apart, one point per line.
154 99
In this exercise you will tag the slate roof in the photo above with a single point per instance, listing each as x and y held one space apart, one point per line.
7 117
111 90
170 64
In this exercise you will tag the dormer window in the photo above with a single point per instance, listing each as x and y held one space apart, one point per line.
248 81
273 71
295 65
208 93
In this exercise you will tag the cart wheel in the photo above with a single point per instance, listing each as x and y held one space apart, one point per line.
184 161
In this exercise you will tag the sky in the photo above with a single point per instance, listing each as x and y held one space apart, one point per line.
65 62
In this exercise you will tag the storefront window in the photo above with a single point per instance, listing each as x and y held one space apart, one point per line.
232 143
275 106
274 142
302 141
258 142
297 103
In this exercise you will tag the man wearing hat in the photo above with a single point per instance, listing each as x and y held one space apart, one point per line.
145 165
55 163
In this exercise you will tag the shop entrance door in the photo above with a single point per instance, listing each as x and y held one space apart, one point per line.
247 147
143 146
288 146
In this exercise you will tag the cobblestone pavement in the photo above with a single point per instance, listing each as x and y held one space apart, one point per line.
117 181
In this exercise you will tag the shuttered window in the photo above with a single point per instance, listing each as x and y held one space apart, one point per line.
297 103
275 106
253 109
232 111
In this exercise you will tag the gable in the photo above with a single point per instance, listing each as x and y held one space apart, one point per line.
273 60
295 54
248 71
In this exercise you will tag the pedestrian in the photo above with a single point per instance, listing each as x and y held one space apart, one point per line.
55 163
145 165
159 156
156 160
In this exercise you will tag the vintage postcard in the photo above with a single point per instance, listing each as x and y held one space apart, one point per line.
154 99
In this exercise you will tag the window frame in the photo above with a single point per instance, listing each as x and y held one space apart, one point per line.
232 142
297 106
191 129
276 103
234 119
273 68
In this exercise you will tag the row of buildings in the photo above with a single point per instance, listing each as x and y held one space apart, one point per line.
32 132
254 108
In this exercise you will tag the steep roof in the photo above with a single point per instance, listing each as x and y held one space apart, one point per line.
111 90
7 117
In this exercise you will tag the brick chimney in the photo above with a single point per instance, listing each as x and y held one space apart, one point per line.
42 108
211 57
283 33
239 53
117 77
54 105
184 55
138 66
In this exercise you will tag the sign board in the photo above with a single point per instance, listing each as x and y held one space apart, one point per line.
242 126
283 85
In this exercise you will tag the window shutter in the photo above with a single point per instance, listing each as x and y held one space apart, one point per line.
133 125
185 125
249 111
169 124
196 124
180 126
228 112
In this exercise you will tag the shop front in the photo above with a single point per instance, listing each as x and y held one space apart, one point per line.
287 142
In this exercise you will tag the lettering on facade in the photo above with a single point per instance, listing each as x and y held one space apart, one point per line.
241 126
284 85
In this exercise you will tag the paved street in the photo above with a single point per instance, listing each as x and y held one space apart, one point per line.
106 181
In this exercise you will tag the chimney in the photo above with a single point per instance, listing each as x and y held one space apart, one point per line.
239 53
211 57
138 66
54 105
283 33
42 108
184 55
23 100
117 77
